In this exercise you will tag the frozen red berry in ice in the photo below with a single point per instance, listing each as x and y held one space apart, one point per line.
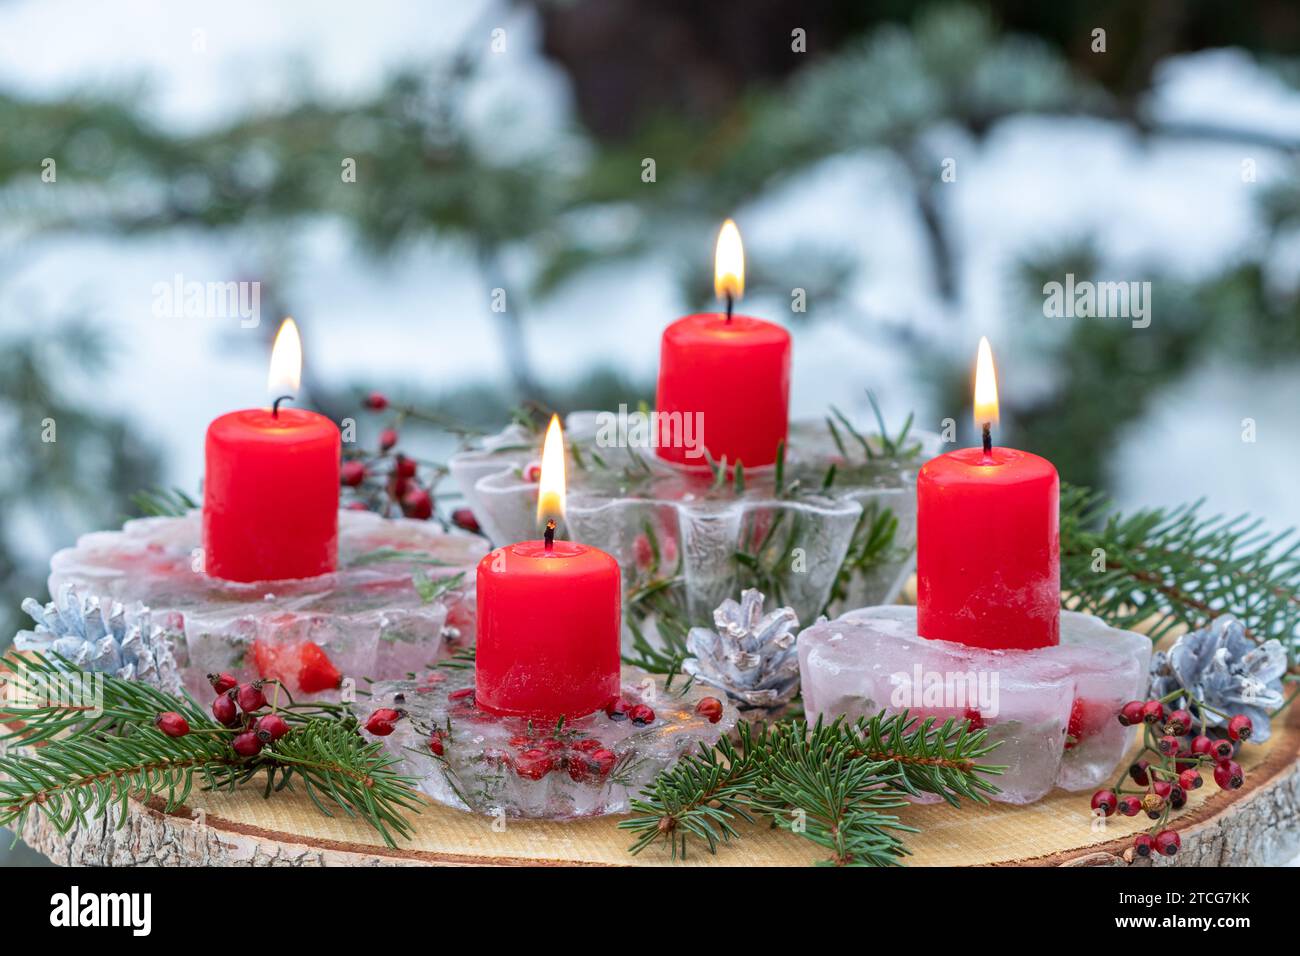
710 708
1131 713
533 472
352 473
224 709
641 715
376 401
387 439
172 724
1167 842
435 743
247 744
534 764
270 728
1229 775
1104 800
975 720
618 710
380 722
1240 727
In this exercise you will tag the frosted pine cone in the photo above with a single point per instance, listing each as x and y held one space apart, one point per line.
117 641
751 656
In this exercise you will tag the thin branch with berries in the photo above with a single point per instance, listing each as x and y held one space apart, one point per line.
74 761
830 783
1180 751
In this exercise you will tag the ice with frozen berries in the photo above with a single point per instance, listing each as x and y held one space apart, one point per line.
388 610
471 759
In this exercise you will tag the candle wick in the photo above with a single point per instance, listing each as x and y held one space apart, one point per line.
549 537
731 304
275 405
988 439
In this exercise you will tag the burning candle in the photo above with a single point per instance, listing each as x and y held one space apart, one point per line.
988 560
548 616
724 379
271 485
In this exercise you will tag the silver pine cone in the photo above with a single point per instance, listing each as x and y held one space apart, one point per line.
750 656
100 635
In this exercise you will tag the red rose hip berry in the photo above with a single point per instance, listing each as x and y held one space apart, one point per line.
641 715
247 744
1240 727
249 697
1143 844
1131 713
270 728
224 709
222 682
172 724
1130 806
1153 712
1168 842
1104 800
1229 775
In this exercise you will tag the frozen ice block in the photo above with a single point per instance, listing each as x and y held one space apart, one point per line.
403 593
710 539
467 758
1052 710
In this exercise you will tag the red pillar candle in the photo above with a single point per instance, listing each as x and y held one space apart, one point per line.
548 618
724 379
988 540
271 486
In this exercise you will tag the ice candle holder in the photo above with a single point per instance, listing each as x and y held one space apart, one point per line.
402 597
469 758
709 537
1051 709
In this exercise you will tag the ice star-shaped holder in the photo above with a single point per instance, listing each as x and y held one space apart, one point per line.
403 590
838 517
464 757
1052 710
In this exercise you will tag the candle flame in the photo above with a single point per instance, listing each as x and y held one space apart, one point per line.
286 361
729 263
986 387
550 487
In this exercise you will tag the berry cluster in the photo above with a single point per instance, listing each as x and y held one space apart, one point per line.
235 707
390 482
1159 785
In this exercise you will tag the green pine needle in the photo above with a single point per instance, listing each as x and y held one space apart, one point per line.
830 783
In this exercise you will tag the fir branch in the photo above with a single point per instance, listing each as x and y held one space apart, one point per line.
1169 568
79 759
163 502
830 783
